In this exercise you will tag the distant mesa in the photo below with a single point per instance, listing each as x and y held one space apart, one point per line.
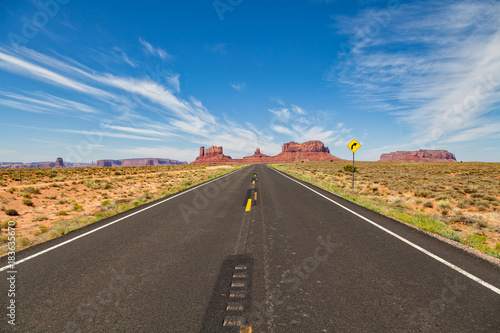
308 147
59 163
138 162
421 155
291 152
307 151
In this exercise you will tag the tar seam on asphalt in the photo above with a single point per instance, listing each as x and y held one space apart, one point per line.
230 301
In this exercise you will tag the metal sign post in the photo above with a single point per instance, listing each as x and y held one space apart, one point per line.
353 146
353 171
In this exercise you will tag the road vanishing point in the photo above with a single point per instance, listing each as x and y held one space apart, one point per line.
255 250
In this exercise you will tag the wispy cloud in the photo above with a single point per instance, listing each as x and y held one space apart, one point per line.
5 151
217 48
281 114
130 99
65 144
238 86
298 110
141 131
106 134
483 131
16 65
113 55
160 152
173 81
444 78
94 133
41 103
294 122
281 129
154 51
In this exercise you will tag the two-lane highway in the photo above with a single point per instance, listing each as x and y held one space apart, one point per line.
253 251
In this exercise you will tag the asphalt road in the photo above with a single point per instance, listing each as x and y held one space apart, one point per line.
254 251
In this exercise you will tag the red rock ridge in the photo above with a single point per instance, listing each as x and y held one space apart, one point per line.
421 155
291 152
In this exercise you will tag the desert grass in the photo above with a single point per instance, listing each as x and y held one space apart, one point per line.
460 201
48 203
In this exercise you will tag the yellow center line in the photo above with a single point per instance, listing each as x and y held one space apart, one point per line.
246 329
249 205
255 196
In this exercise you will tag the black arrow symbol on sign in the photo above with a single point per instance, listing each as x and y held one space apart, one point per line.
354 144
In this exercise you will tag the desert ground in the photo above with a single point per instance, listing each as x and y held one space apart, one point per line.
47 203
460 201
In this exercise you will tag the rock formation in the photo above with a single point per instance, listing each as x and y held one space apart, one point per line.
421 155
101 163
138 162
309 147
59 163
212 155
16 165
307 151
291 152
257 157
214 151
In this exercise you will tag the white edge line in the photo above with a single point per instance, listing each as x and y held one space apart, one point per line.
430 254
113 222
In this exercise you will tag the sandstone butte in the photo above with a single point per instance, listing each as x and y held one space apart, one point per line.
421 155
291 152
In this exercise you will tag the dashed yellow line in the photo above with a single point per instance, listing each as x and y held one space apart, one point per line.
246 329
249 205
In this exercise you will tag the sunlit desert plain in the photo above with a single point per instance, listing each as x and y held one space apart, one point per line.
47 203
460 201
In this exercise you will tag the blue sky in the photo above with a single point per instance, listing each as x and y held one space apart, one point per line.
89 80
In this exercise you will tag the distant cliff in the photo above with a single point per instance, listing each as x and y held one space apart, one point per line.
421 155
59 163
138 162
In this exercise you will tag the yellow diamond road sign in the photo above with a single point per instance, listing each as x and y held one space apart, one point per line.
353 145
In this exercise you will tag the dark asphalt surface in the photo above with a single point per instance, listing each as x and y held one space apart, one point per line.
295 262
